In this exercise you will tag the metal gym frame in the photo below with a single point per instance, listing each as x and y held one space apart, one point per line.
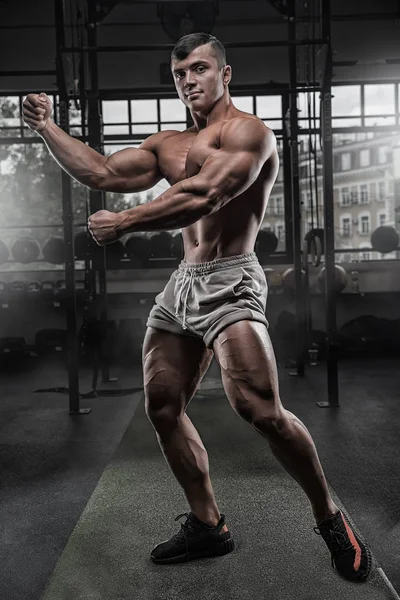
90 96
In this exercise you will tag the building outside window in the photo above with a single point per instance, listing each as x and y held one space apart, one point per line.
280 231
365 225
279 205
346 227
345 161
382 155
381 190
365 158
363 194
381 219
354 195
372 191
345 197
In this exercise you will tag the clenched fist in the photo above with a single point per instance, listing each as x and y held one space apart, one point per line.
104 227
36 110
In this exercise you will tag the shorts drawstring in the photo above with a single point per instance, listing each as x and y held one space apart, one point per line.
178 301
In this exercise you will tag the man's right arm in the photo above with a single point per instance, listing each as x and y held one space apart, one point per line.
129 170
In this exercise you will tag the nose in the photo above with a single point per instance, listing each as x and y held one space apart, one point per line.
189 79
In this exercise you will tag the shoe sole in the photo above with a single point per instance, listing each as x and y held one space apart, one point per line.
217 550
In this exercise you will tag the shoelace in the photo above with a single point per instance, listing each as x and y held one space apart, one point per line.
336 539
188 526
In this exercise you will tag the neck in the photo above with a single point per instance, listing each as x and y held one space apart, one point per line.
221 110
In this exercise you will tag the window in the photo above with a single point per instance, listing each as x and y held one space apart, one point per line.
363 194
372 191
280 231
345 197
244 103
354 195
382 154
269 108
364 227
279 205
346 104
345 161
381 219
381 190
364 158
346 227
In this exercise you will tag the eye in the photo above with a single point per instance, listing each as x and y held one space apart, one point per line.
200 67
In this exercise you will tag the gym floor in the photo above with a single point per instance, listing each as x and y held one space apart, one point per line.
84 499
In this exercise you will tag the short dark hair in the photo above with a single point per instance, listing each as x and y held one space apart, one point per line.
188 43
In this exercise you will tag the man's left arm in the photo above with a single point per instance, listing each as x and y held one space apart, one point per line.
229 171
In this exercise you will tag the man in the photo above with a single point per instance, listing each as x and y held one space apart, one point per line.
221 172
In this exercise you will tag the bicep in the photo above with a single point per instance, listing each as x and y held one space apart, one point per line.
130 170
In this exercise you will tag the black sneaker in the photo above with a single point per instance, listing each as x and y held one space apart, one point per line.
350 556
194 540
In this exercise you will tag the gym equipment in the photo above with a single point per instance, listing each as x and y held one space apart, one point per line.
115 252
266 243
81 292
289 282
85 246
25 250
60 291
47 290
312 234
138 249
33 289
17 292
312 246
50 340
341 279
274 279
4 252
54 250
385 239
161 245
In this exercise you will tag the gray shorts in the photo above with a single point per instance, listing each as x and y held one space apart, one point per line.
200 300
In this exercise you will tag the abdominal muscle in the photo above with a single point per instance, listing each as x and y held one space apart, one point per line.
228 232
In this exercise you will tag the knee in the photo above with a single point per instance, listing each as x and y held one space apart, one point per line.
161 408
271 422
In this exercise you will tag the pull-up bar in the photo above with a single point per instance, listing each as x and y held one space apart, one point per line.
161 47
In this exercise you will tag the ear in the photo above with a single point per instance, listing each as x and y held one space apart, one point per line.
227 74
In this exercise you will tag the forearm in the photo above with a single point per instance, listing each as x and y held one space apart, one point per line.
76 158
174 209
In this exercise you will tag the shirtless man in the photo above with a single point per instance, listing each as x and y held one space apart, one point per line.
221 172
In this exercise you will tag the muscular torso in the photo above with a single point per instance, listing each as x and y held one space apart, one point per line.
233 229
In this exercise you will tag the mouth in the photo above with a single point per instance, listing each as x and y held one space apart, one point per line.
193 94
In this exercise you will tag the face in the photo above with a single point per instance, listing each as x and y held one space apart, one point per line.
198 80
